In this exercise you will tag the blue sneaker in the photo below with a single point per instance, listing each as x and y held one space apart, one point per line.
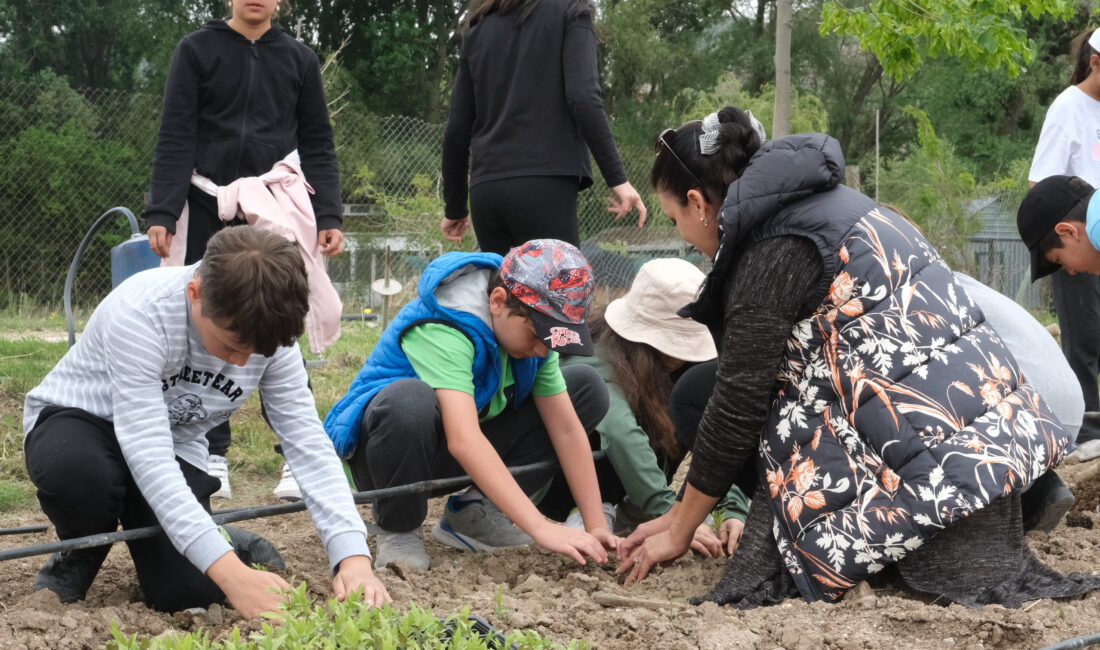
477 525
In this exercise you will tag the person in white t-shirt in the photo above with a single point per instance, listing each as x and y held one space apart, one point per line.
1070 145
115 433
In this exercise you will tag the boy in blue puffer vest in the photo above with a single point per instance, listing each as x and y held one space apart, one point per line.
465 380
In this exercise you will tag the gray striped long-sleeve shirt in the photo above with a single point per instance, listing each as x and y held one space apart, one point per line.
141 364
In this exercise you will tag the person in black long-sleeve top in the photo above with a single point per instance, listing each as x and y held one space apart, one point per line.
527 108
852 369
241 95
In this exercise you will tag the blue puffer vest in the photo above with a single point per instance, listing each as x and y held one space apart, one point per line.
388 363
899 410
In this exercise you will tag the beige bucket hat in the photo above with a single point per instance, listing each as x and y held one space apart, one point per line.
647 313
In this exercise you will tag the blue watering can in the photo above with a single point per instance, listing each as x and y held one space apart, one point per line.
128 258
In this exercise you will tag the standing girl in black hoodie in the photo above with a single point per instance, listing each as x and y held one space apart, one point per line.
241 95
525 112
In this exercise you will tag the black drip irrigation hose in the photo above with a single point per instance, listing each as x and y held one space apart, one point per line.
1076 642
241 514
41 528
135 232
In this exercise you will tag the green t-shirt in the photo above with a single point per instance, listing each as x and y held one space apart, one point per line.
443 357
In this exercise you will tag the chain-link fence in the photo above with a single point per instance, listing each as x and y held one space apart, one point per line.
66 156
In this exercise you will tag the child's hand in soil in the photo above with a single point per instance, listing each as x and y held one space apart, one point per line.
355 573
606 538
249 591
569 541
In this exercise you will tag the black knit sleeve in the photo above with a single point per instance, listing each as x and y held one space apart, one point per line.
770 289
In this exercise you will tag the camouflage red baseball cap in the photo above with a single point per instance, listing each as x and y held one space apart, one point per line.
554 279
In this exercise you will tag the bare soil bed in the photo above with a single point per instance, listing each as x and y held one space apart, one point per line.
561 599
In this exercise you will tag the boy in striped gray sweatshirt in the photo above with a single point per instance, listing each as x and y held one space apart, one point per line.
115 433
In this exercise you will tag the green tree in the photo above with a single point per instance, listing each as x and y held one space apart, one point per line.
403 53
934 186
104 44
902 34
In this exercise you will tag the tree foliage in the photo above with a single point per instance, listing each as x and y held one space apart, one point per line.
903 33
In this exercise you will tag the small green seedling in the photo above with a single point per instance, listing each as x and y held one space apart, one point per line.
500 612
719 516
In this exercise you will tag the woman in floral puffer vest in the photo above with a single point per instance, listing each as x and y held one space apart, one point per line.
886 421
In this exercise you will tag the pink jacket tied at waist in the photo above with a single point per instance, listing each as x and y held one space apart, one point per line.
277 201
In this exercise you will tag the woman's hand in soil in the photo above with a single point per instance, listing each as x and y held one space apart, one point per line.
249 591
569 541
355 573
661 549
706 542
628 546
730 534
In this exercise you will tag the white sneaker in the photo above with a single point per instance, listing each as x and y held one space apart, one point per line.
574 520
287 489
218 467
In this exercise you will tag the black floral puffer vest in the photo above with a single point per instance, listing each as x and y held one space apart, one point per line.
899 410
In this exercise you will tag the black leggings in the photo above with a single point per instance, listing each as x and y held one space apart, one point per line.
511 211
85 488
1077 303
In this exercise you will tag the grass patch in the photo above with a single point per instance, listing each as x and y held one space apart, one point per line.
25 362
14 495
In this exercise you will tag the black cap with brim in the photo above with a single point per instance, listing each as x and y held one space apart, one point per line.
1043 208
562 336
1041 266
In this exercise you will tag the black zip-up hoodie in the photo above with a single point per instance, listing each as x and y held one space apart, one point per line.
232 109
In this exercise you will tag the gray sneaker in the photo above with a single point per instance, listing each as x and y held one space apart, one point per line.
477 525
403 548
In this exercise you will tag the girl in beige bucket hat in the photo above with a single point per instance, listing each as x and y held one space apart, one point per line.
660 371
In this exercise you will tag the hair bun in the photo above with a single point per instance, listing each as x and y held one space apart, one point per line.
737 127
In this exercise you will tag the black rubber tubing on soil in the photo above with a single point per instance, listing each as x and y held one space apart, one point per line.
1076 642
257 512
135 231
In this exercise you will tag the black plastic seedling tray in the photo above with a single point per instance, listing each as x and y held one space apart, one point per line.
490 634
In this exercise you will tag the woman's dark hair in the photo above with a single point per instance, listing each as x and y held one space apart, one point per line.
478 10
737 142
640 373
1082 54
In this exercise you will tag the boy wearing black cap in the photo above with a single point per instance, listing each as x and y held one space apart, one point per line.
465 380
1060 223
